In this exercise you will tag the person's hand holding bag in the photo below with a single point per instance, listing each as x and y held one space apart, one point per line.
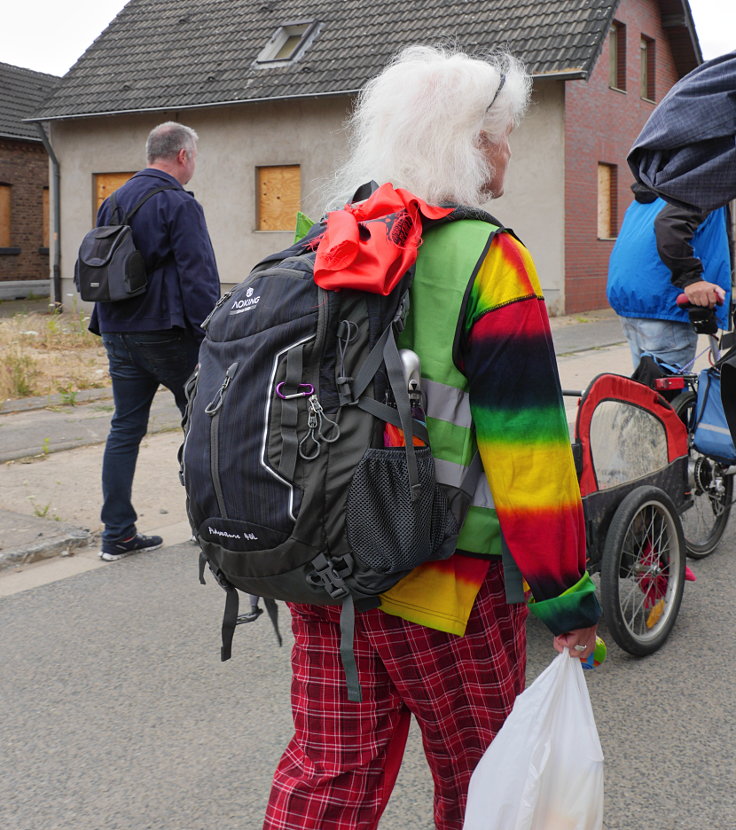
580 642
544 770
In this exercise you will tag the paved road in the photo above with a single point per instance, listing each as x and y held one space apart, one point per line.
118 715
32 431
596 332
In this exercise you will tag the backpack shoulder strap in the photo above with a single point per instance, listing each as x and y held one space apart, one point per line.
115 217
140 202
466 212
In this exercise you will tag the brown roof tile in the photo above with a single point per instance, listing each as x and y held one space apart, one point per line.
22 91
158 55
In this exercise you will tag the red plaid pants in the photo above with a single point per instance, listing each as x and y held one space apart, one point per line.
338 771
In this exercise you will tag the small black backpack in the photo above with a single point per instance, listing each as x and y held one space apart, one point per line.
292 493
109 267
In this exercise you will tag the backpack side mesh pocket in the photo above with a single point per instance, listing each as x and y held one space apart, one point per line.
386 529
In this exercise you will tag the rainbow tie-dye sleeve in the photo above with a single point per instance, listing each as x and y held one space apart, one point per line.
523 437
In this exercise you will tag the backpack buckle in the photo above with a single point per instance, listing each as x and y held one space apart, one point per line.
402 312
345 390
218 575
330 574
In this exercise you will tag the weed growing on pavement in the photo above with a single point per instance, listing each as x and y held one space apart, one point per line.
46 354
68 396
42 511
19 373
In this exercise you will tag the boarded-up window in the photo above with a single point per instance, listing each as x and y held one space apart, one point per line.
45 231
647 88
607 201
5 215
617 56
105 184
279 197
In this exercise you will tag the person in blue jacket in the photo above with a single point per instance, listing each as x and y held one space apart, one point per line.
664 250
153 338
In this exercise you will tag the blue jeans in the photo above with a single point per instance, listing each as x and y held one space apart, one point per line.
139 362
669 340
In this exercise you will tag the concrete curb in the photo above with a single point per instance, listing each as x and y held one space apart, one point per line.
31 539
46 401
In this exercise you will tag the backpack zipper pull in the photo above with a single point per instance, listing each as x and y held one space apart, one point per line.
225 297
213 407
327 429
311 435
319 428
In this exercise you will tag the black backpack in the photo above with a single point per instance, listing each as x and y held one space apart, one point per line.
291 491
109 267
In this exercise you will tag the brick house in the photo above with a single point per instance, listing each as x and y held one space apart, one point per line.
24 184
268 86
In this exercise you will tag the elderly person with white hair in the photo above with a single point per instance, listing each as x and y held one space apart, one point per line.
448 642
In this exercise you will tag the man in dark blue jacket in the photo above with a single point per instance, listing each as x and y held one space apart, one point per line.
153 338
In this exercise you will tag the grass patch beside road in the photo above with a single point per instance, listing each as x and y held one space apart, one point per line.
47 354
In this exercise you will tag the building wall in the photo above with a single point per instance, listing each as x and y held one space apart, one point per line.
533 202
234 141
601 124
24 165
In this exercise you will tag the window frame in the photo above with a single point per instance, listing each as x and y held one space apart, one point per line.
45 220
647 68
291 209
607 201
306 31
6 218
617 56
105 183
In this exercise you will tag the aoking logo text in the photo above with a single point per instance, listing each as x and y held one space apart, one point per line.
250 302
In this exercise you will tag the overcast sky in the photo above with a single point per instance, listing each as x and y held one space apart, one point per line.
50 35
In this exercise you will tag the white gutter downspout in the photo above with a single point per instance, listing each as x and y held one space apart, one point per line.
56 176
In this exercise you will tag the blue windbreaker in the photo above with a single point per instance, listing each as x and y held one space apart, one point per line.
640 284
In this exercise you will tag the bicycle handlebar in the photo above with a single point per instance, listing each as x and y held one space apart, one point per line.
702 318
683 302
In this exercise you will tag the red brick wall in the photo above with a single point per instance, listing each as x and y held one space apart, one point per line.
601 124
25 166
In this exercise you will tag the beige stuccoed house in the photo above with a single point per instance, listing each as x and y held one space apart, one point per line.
268 86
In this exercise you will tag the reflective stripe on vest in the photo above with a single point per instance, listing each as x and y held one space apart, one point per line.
446 266
446 403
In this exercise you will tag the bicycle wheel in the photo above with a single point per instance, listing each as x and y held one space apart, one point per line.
704 522
643 570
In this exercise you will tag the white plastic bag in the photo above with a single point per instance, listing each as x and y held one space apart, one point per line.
544 770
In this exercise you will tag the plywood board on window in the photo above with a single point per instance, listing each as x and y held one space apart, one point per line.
605 189
279 196
5 216
45 231
105 184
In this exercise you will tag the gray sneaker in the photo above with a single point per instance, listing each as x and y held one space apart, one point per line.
112 551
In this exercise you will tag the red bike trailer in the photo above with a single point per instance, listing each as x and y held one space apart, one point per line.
631 453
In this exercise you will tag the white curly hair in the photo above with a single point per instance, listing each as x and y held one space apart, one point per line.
417 124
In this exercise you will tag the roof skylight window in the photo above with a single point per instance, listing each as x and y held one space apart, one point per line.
288 42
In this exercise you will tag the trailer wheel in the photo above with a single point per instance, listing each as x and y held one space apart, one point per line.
643 570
